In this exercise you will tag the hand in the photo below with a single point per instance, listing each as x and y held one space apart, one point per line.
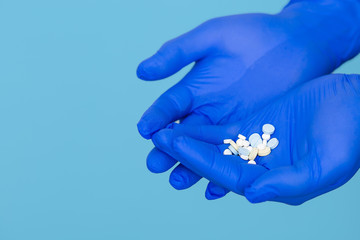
242 62
318 127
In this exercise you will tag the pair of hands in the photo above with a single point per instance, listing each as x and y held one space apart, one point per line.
245 67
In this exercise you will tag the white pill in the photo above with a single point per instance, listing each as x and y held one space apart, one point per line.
258 143
250 148
177 121
273 143
264 142
240 142
261 146
264 152
227 152
266 136
242 137
227 141
244 157
233 150
243 151
253 154
254 138
268 128
252 162
246 143
233 144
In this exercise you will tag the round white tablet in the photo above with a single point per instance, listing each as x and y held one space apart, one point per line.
227 152
265 136
273 143
268 128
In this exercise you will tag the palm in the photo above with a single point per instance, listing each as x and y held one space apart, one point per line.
250 50
318 126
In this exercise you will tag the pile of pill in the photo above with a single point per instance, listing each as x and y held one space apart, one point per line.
256 146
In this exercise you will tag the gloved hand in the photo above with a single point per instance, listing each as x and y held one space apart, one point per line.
242 62
317 125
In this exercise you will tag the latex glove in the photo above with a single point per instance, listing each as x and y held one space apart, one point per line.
317 125
242 62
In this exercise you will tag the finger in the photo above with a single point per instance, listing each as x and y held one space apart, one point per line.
196 119
159 162
206 160
214 191
214 134
211 134
182 177
176 54
169 107
208 133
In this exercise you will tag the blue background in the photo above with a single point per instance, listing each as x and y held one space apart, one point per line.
72 164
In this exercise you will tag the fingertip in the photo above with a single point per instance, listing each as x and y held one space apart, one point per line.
140 71
143 129
184 149
182 177
145 70
250 195
215 192
178 181
258 196
179 143
151 69
209 196
159 162
163 138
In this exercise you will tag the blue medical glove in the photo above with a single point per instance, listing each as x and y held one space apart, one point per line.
318 128
241 63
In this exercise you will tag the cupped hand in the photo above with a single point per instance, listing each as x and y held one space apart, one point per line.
241 63
318 127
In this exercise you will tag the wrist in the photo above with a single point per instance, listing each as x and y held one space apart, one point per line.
333 25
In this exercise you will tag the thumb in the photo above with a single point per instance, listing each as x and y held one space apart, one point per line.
170 106
176 54
284 182
206 160
214 134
